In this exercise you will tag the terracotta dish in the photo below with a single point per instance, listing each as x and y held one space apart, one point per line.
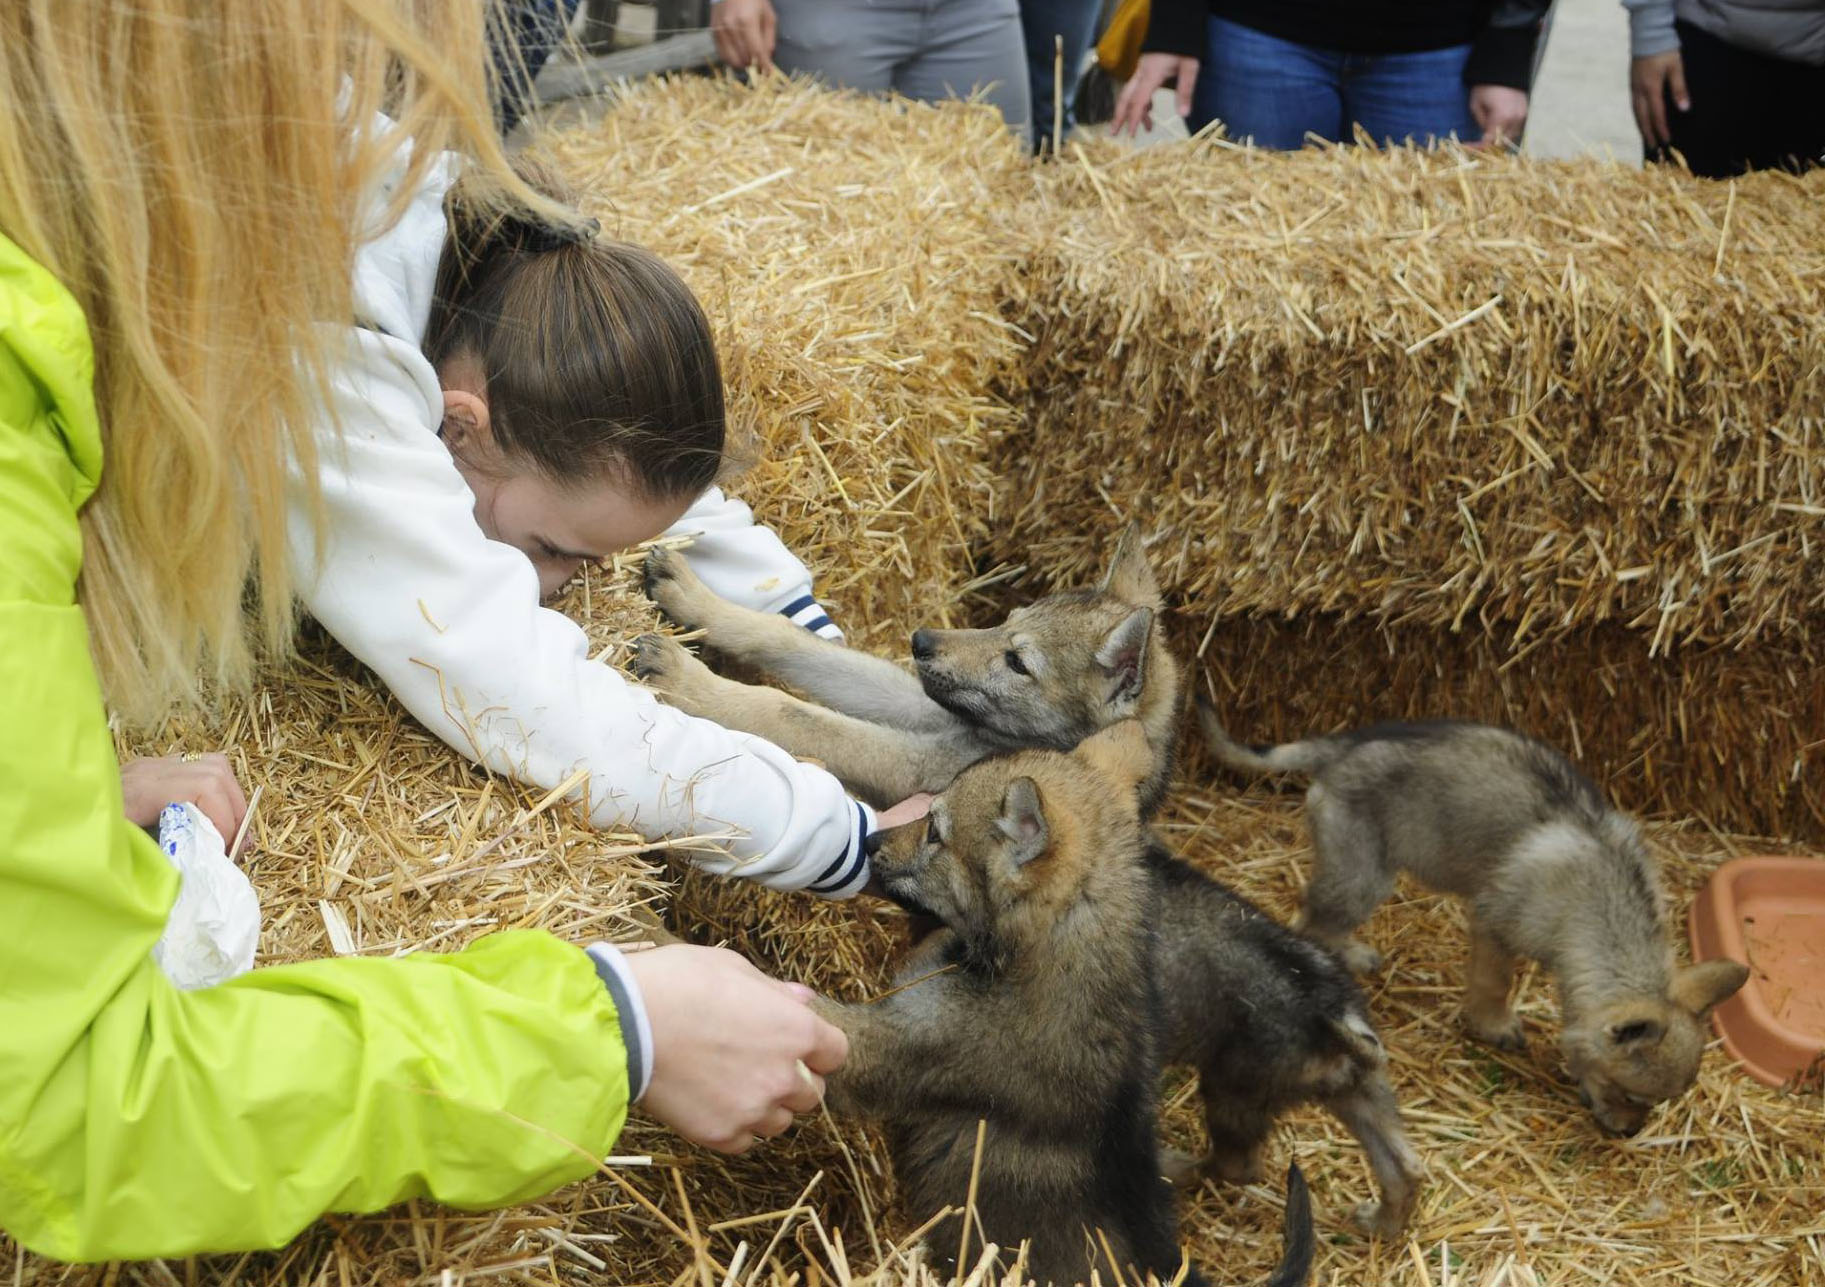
1770 913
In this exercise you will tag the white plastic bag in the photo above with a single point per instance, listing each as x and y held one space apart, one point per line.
215 923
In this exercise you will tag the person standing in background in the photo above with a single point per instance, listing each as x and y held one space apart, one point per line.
1729 86
924 49
1280 71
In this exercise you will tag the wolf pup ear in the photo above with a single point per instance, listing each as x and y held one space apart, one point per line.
1023 821
1130 576
1120 752
1700 987
1641 1030
1123 657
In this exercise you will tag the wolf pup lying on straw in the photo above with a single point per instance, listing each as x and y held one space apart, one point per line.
1268 1019
1550 871
1034 1009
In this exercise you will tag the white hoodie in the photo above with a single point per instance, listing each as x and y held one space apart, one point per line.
451 621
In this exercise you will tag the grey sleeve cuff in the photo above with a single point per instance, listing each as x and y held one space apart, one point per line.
630 1009
1651 27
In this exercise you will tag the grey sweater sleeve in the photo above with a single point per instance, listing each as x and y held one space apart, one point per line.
1650 27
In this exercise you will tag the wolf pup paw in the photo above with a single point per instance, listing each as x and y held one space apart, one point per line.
669 582
1359 957
657 659
1376 1220
1180 1169
1504 1033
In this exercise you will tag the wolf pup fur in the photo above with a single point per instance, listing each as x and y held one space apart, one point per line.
1271 1020
1053 673
1033 1009
1268 1020
1549 871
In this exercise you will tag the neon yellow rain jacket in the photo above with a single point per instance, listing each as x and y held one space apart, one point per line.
137 1120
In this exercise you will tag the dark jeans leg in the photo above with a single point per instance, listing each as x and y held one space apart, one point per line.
1267 89
1042 23
1749 111
529 31
1410 98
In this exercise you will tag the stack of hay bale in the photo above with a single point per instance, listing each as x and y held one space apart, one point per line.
1426 434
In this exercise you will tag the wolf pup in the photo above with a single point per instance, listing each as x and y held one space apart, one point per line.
1053 673
1032 1009
1271 1020
1549 870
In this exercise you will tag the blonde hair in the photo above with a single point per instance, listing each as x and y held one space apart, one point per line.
195 174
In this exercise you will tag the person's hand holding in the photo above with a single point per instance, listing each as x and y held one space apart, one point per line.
1651 81
206 781
744 32
1134 109
728 1045
1500 111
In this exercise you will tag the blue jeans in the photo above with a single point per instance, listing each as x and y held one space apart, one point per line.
1042 23
1277 91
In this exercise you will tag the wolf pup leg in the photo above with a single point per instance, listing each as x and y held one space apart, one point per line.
1371 1115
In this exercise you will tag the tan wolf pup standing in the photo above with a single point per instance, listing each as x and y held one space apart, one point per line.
1269 1019
1549 871
1034 1009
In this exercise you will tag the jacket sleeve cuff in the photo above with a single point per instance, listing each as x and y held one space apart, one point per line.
1503 56
1651 30
1176 27
845 877
630 1009
806 611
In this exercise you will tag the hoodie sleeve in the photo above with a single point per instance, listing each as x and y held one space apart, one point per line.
451 622
745 563
1503 51
1176 27
1651 29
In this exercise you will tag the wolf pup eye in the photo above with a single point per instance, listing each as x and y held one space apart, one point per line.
931 832
1014 662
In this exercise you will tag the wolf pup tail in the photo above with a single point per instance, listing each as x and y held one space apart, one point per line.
1308 756
1296 1231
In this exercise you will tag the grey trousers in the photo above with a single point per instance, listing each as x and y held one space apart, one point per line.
924 49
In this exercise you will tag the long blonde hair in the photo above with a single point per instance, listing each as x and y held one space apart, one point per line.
189 171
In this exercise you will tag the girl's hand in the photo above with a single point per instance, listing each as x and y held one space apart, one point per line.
206 781
911 809
735 1053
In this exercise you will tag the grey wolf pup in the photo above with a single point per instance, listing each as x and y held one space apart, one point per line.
1032 1009
1269 1020
1053 673
1548 869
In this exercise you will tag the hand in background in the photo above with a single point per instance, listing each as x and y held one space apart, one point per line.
1134 109
1652 80
744 32
1500 111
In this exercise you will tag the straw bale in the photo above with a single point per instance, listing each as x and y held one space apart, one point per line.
1491 405
1730 736
852 256
1436 387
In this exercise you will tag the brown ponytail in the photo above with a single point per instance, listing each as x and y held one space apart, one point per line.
597 357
